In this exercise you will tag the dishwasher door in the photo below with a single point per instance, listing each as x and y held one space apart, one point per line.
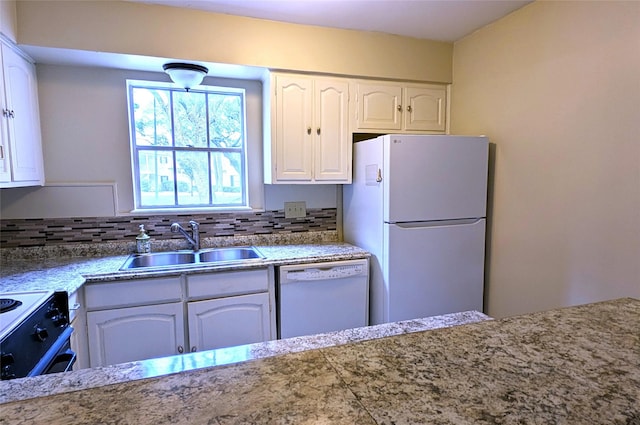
322 297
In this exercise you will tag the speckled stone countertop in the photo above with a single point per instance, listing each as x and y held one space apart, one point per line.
70 273
25 388
578 365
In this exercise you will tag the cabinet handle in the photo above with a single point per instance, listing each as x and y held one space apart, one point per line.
308 130
1 152
318 131
409 108
399 108
379 176
194 349
180 349
11 114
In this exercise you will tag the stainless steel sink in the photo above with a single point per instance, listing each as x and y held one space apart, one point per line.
175 259
228 254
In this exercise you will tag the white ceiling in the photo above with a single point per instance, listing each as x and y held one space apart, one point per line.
443 20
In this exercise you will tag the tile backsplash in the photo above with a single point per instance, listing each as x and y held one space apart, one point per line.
19 233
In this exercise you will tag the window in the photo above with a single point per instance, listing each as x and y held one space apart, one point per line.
189 149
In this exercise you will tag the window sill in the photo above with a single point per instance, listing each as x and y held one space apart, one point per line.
182 211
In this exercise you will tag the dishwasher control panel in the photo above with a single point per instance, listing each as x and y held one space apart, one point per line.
318 273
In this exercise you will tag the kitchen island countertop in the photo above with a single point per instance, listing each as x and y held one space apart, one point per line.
577 365
38 386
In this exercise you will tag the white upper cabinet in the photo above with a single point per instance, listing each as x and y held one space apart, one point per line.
307 130
20 140
400 107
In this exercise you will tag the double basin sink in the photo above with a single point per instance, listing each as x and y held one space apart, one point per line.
191 258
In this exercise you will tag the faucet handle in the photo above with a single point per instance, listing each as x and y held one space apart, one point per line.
194 224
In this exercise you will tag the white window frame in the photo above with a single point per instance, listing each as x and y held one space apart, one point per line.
253 150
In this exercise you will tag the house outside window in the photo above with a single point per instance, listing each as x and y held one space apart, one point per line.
189 149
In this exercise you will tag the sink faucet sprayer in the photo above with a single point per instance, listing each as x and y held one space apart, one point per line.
194 238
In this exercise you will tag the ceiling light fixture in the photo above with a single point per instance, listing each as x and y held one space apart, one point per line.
186 75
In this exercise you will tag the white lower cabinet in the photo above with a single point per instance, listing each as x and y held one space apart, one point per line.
230 321
135 333
148 318
78 320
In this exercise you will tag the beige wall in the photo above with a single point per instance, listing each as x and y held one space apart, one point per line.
8 23
161 31
556 86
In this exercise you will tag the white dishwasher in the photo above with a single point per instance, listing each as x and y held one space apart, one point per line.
322 297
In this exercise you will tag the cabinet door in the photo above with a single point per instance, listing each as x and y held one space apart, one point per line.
5 167
78 319
226 322
22 117
379 106
332 144
425 108
293 128
135 333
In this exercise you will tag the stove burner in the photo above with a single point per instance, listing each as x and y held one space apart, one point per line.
8 304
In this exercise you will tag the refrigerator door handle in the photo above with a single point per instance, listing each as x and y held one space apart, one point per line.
436 223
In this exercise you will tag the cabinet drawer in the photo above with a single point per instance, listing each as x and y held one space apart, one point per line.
132 293
216 285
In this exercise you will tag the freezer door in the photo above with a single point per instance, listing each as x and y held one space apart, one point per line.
434 177
434 269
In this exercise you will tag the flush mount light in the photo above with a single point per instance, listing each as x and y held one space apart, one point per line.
186 75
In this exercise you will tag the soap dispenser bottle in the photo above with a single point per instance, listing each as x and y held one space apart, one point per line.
143 241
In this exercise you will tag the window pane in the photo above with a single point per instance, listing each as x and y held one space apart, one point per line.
227 180
190 119
152 117
156 178
225 120
193 178
189 147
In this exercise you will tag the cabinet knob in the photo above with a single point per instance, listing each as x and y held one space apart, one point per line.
308 130
180 349
409 108
318 131
194 349
399 108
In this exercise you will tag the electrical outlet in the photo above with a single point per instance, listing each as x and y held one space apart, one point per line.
295 209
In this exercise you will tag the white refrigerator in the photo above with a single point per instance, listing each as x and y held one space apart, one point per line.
418 204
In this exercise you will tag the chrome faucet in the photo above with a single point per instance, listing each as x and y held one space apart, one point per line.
193 238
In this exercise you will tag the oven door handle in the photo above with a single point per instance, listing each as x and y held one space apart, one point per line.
69 357
53 352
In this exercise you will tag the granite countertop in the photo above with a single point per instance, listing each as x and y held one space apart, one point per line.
70 273
25 388
578 365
